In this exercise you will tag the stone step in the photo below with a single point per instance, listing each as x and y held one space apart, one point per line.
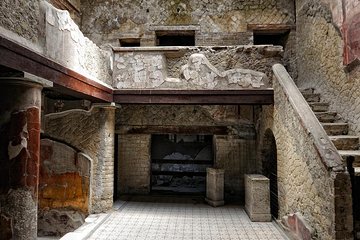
326 117
345 154
345 142
306 90
336 128
319 106
312 97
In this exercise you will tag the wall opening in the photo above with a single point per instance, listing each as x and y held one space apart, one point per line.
355 186
271 37
175 38
269 169
179 162
129 42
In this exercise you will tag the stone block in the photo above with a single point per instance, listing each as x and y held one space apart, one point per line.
215 187
257 197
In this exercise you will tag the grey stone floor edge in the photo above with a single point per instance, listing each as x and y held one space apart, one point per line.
92 223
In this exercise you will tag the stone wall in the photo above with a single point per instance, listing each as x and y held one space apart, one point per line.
235 147
21 17
64 188
91 132
44 29
177 67
320 63
106 22
134 164
306 182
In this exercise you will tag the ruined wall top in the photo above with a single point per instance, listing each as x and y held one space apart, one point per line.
238 67
107 22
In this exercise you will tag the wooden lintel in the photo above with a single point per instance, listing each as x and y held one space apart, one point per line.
195 97
154 129
275 28
20 58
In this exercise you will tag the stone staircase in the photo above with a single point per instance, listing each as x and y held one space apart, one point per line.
347 145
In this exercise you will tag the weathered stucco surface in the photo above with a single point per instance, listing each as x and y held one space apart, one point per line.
66 44
44 29
219 21
64 188
91 132
197 67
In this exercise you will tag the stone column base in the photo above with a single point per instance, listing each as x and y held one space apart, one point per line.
214 203
258 217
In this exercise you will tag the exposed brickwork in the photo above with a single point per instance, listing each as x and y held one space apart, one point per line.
134 164
235 156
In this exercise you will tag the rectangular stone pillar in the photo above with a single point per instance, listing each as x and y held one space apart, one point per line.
257 197
215 187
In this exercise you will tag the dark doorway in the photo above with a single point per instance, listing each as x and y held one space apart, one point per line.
274 38
116 166
179 162
269 169
355 186
175 38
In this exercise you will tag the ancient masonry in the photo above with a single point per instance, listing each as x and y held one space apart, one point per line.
249 102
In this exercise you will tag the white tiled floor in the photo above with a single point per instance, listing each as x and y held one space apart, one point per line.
176 220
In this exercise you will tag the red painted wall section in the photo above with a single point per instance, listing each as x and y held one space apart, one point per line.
346 16
351 30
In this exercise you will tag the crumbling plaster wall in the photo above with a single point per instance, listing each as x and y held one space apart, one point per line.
162 69
235 150
91 132
44 29
64 188
320 62
105 22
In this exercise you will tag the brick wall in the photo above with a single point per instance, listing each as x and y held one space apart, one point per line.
134 163
237 157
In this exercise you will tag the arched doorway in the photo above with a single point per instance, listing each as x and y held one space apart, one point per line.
269 169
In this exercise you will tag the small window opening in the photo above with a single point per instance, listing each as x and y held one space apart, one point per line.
175 38
130 42
274 38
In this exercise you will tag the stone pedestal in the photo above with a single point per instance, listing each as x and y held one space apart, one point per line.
215 187
19 157
257 198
